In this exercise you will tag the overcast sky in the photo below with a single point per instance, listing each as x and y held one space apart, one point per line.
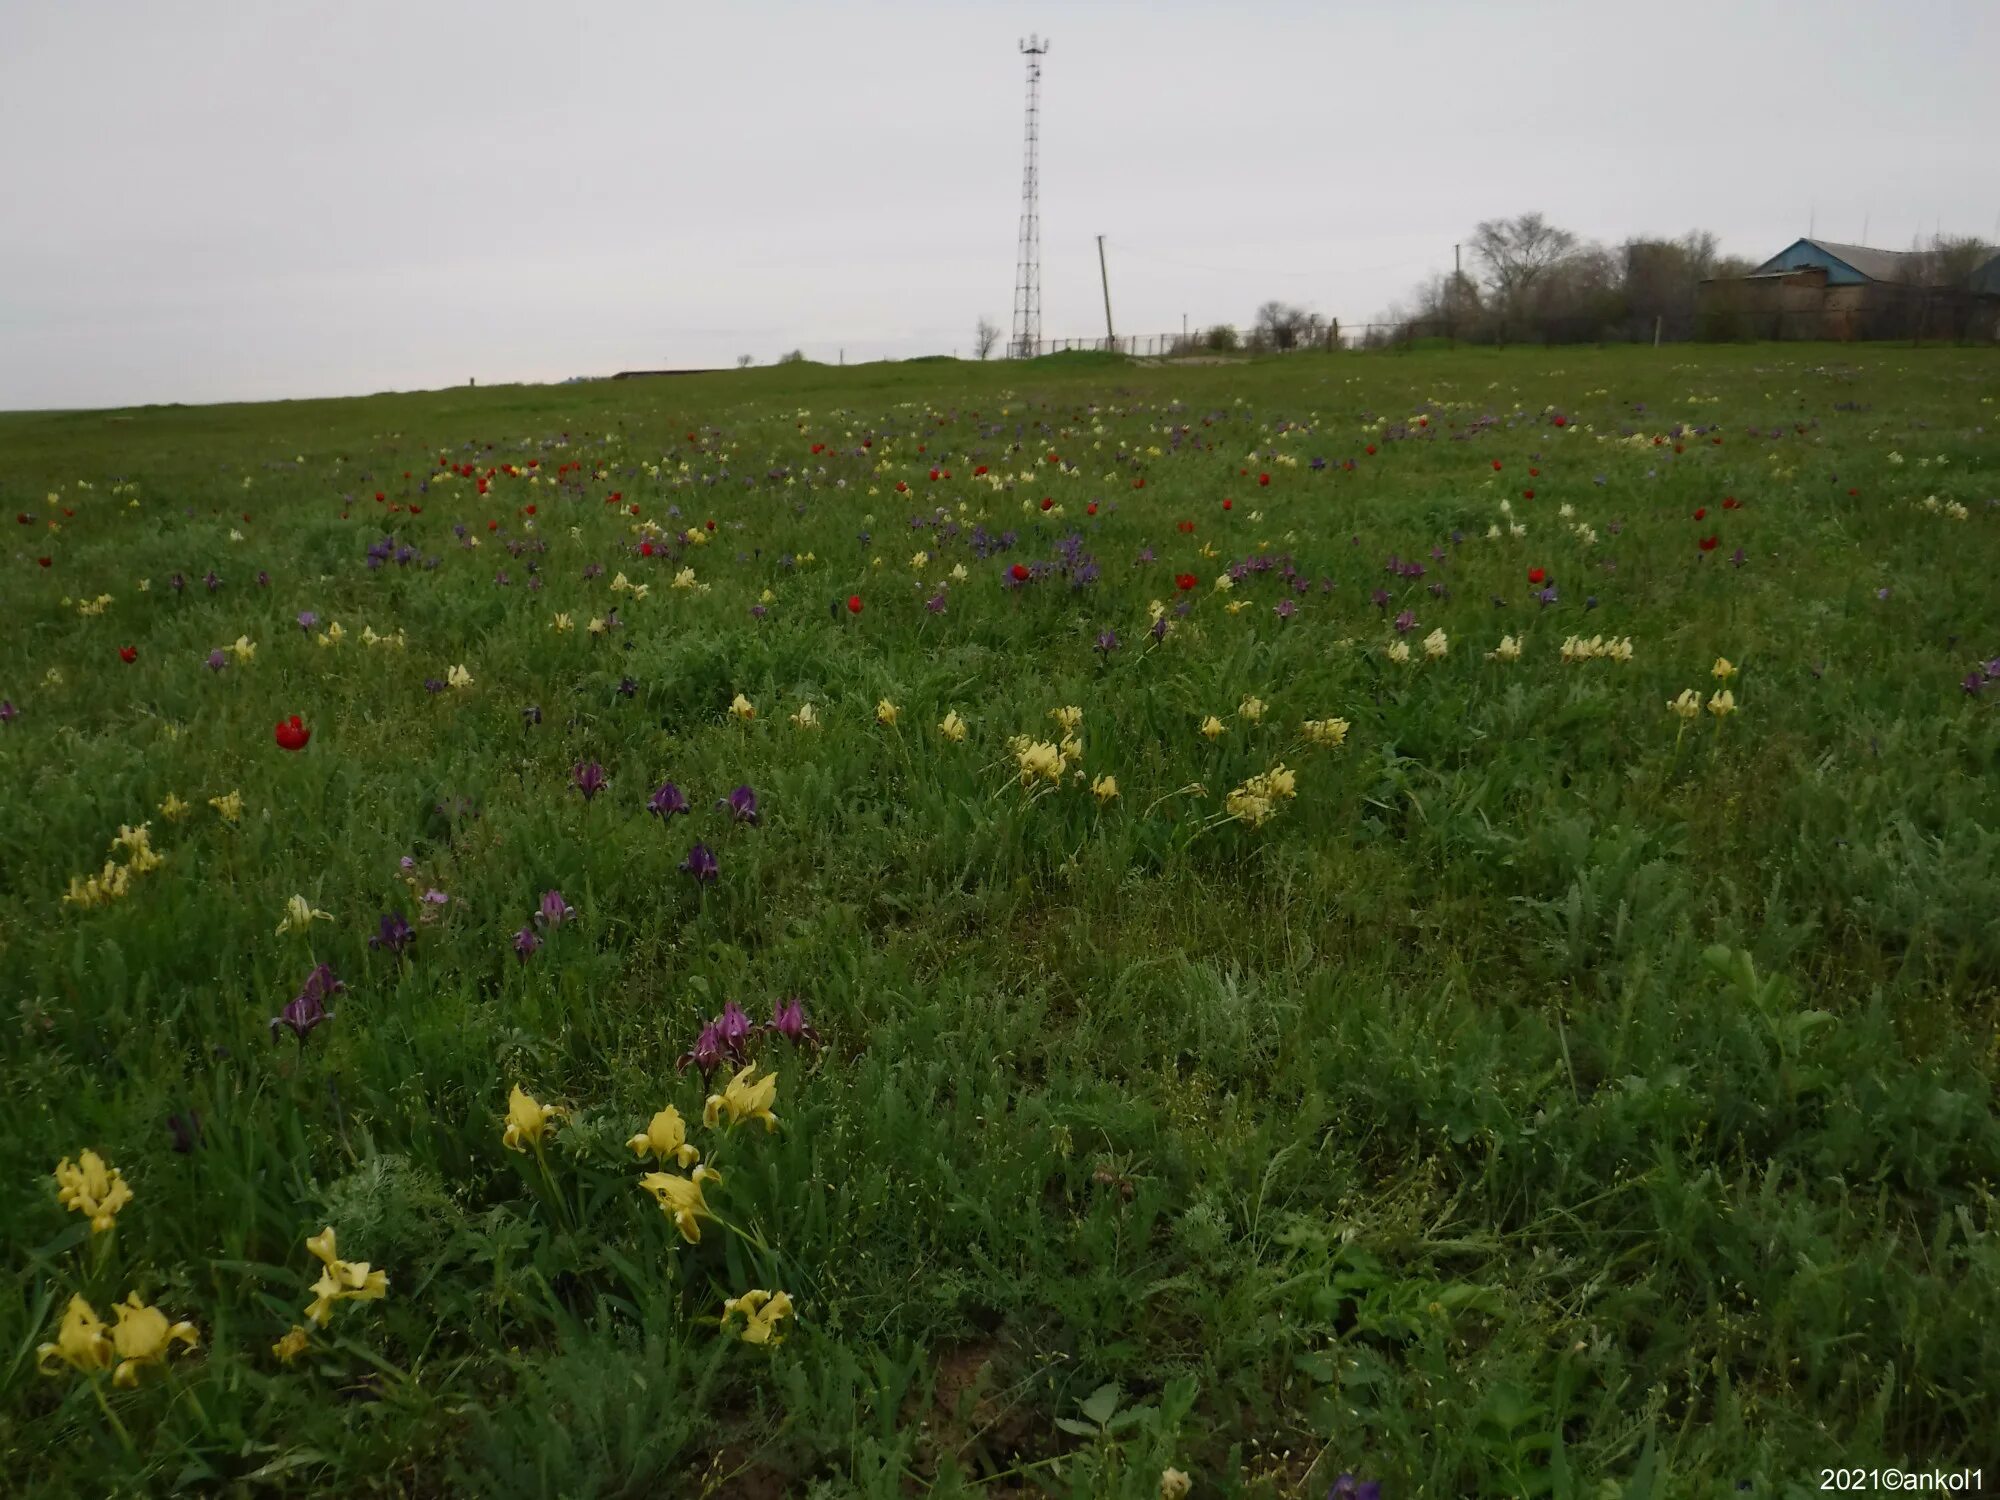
224 199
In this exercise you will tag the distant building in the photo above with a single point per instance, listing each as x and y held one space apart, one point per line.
1821 289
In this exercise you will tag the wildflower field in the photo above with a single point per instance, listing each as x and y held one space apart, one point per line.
1421 921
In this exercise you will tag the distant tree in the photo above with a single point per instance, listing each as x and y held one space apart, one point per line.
796 357
985 337
1949 260
1222 339
745 361
1281 326
1520 255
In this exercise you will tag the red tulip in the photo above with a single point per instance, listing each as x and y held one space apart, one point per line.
1047 502
1701 512
1184 581
1534 473
1229 505
1090 509
1527 494
1496 466
1729 502
1020 572
128 653
1536 575
1708 543
291 734
1263 478
1371 450
854 604
47 562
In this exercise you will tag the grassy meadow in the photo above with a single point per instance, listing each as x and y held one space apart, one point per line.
1429 920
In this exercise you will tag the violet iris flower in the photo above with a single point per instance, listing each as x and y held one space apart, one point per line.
526 941
667 801
788 1019
701 863
706 1053
395 934
308 1009
554 910
588 777
741 805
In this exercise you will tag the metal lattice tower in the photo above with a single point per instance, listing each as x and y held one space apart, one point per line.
1028 272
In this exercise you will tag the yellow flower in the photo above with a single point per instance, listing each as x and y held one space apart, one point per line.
1436 644
596 625
1399 651
1247 806
81 1342
144 1337
173 809
1723 704
299 915
92 1187
1722 670
561 623
744 1097
619 584
1069 717
1174 1485
292 1345
243 648
806 716
952 727
1327 732
1211 727
340 1280
333 635
920 560
458 677
681 1199
1687 705
229 804
1509 649
53 677
1224 583
665 1137
528 1120
767 597
684 579
1619 649
742 708
1037 760
958 573
1105 788
761 1311
1251 708
885 713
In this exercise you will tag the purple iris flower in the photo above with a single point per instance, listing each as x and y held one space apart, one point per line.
212 580
589 778
1107 642
1285 609
1158 629
788 1020
741 804
554 910
1405 623
701 864
433 685
1380 599
395 934
217 661
668 800
307 619
734 1029
1548 596
308 1008
7 711
526 941
1972 684
1347 1487
706 1053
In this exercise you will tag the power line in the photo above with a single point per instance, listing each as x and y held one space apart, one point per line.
1319 275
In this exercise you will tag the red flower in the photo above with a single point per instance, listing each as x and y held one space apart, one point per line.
1187 528
635 508
854 604
1055 458
1536 575
710 524
1263 478
1139 483
1701 512
492 525
645 549
291 734
1562 421
1496 466
934 473
978 472
128 653
1184 581
1047 501
1708 543
530 509
1020 572
1229 505
378 495
1729 502
1090 509
46 562
1371 450
1534 473
1527 494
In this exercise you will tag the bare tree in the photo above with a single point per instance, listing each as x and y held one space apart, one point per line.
796 357
984 337
1280 326
1520 254
745 361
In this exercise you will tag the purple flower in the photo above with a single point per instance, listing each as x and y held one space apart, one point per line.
308 1009
706 1053
433 685
554 910
263 580
741 805
667 801
307 619
1881 593
701 864
1405 623
395 934
1972 684
1548 596
217 661
1347 1487
1990 668
588 777
1380 599
526 941
1285 609
1738 557
7 711
1107 642
734 1029
177 582
211 580
1158 629
788 1020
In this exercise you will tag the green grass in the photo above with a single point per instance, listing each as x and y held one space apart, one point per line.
1550 1098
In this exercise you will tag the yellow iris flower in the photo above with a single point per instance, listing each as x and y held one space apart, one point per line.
681 1198
665 1137
340 1280
92 1187
744 1097
761 1311
528 1120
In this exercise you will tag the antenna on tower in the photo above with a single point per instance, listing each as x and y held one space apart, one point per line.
1028 271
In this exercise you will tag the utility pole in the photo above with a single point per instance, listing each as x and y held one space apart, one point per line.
1451 307
1110 338
1028 268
